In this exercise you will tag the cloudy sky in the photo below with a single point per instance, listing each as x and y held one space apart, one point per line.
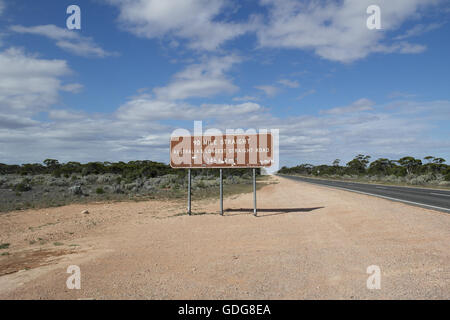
139 69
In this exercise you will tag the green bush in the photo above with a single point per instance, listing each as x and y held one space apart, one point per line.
100 191
129 171
201 184
56 173
22 187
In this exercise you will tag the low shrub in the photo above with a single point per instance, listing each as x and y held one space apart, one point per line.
22 187
4 246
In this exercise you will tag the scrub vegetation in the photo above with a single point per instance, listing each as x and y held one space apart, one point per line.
431 171
55 184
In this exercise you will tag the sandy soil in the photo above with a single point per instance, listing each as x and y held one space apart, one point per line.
308 242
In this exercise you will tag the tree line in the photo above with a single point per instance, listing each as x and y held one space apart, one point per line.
130 170
361 165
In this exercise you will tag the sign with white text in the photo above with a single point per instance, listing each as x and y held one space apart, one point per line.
222 151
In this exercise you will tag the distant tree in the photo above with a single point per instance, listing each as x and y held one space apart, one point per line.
51 163
437 166
93 168
428 158
381 166
73 164
359 164
70 168
410 164
447 173
438 160
33 168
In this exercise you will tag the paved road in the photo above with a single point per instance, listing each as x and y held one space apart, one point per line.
426 198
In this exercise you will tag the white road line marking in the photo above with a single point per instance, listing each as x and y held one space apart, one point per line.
375 184
389 198
440 194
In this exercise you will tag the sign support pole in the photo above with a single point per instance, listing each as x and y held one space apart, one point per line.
221 192
255 212
189 192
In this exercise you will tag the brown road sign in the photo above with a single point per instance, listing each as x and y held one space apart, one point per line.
222 151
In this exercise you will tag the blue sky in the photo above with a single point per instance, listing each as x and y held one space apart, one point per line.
138 69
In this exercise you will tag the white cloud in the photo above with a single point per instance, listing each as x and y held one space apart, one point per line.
402 47
65 115
305 94
336 30
135 131
245 98
418 30
394 130
200 80
269 90
200 22
84 139
399 94
430 110
68 40
289 83
143 108
29 84
2 6
11 121
131 133
72 87
357 106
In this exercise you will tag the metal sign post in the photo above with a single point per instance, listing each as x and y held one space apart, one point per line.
189 192
254 193
221 192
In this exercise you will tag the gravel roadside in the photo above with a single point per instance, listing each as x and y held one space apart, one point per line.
309 242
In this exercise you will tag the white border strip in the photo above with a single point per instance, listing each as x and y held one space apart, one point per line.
380 196
440 194
371 184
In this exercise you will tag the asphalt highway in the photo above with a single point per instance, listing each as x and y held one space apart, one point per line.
426 198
